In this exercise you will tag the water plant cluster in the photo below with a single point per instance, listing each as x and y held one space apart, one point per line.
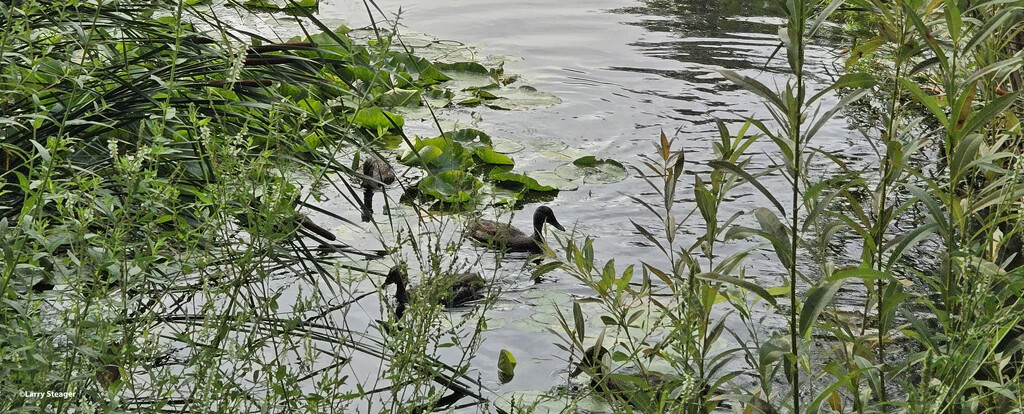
928 232
157 167
156 160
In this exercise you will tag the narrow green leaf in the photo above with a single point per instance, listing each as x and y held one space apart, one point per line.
990 111
756 87
817 299
743 283
771 226
750 179
927 100
577 316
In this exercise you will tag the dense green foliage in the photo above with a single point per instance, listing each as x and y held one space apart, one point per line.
154 161
941 329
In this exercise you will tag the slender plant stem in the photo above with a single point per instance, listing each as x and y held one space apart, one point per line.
798 18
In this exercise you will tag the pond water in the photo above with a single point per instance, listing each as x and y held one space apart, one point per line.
624 71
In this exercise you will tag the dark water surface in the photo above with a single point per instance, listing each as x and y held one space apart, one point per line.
624 71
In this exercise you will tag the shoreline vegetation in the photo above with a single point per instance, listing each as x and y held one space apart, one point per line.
163 174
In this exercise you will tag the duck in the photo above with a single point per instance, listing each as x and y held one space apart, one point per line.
593 364
377 173
458 288
504 236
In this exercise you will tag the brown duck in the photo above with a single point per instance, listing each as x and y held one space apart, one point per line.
459 288
503 236
377 173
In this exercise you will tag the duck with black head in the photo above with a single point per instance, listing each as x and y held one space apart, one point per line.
455 289
504 236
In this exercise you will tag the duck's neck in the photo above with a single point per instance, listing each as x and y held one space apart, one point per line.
538 228
401 298
367 204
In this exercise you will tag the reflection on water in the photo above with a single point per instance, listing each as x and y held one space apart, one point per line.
624 71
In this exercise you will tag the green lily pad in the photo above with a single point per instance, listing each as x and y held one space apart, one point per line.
527 182
489 156
545 297
400 97
438 98
496 196
548 145
466 76
553 180
543 402
523 97
425 155
593 171
450 186
538 321
374 117
288 7
506 146
470 138
452 157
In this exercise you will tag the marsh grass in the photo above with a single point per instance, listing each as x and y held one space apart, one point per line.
940 333
153 168
154 162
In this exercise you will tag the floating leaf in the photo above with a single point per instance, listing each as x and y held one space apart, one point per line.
450 186
506 362
540 402
489 156
593 170
527 182
438 98
400 97
425 155
470 138
553 180
452 157
374 117
523 97
466 76
506 146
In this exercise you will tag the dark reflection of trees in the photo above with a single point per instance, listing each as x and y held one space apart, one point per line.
717 33
703 17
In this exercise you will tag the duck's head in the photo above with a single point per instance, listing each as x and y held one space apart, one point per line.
396 276
592 360
545 215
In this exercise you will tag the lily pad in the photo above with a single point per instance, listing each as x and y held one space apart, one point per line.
543 402
523 97
593 170
489 156
470 138
270 6
452 156
553 180
548 145
496 196
400 97
527 182
506 146
450 186
466 76
374 117
438 98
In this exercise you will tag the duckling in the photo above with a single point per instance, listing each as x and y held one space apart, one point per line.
593 363
504 236
460 288
377 174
